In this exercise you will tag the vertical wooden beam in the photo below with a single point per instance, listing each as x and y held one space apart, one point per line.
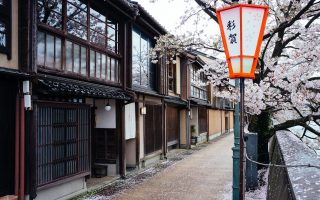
9 30
17 147
128 49
124 63
22 150
31 169
208 121
163 126
137 134
27 35
122 140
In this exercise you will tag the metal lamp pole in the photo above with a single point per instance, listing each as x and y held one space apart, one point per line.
238 175
236 149
241 185
228 18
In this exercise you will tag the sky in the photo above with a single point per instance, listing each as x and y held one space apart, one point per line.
165 12
168 13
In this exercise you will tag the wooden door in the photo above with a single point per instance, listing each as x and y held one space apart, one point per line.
203 123
153 129
172 125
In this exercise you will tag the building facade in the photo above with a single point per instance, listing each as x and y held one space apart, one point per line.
83 99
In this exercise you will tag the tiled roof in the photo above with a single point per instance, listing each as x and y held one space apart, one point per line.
72 87
176 100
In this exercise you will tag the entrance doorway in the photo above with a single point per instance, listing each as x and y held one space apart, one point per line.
7 139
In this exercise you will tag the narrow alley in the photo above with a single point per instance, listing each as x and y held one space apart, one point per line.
205 174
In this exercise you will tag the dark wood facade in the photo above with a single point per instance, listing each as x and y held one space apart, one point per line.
153 130
203 119
173 125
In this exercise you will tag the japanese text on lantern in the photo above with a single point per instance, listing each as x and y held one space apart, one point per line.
232 36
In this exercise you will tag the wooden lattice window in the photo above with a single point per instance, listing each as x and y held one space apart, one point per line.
78 37
198 81
62 144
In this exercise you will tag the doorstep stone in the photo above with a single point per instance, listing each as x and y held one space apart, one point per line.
9 197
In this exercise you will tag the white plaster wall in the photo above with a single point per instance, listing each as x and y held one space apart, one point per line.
63 191
105 119
130 121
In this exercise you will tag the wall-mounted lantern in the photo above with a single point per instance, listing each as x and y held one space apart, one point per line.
143 110
108 106
26 95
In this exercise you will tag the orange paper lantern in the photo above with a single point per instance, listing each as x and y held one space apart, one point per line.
242 28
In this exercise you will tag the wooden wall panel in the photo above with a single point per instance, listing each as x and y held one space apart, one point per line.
173 123
203 120
153 128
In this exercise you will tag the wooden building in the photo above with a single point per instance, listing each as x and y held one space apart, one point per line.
84 100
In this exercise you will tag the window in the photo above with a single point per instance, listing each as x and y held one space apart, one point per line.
5 27
199 92
142 68
77 18
49 51
76 58
172 77
89 39
3 34
50 13
103 67
62 145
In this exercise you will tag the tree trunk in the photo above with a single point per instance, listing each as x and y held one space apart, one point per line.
260 124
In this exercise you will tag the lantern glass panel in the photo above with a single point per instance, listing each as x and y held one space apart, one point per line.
231 27
247 65
251 25
235 62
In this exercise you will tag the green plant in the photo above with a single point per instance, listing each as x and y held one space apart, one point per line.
193 129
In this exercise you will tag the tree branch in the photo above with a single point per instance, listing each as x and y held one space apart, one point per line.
286 24
309 128
296 122
207 9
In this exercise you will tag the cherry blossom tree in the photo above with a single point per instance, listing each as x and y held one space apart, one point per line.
286 90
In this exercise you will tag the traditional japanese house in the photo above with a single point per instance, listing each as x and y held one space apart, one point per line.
12 133
221 110
175 106
221 116
199 100
208 116
147 81
77 52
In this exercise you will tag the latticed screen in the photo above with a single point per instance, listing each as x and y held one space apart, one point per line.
62 141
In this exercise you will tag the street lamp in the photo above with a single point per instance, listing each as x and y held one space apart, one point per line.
242 28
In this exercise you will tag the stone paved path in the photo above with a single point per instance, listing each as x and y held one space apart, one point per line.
206 174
